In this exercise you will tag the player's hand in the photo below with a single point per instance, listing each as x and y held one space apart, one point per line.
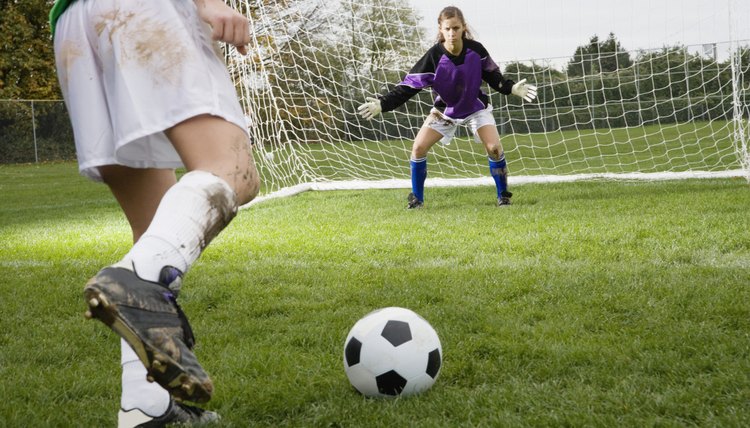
370 109
524 90
227 25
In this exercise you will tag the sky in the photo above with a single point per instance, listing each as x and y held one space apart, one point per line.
536 29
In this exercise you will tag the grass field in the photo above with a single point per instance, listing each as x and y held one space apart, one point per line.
584 304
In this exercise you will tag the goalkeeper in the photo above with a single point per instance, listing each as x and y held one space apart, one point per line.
454 68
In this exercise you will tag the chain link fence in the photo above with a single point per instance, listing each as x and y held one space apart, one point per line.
33 131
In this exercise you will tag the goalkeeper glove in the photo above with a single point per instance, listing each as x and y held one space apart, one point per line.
524 90
370 109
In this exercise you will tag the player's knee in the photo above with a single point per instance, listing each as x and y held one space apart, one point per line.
495 151
418 152
250 186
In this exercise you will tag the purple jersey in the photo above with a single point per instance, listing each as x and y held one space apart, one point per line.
456 81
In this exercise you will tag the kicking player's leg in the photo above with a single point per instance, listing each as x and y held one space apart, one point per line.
496 157
425 139
192 212
139 192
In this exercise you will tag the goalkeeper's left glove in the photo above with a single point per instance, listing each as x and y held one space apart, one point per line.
370 109
524 90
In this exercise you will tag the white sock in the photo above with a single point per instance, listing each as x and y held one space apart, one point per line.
190 215
137 392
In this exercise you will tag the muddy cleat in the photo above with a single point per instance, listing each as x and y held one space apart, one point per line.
504 200
147 316
172 278
177 413
413 202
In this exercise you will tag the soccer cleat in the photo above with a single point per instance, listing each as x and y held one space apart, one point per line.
172 278
147 316
177 413
504 200
413 202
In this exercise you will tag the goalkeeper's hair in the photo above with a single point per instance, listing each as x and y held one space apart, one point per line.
453 12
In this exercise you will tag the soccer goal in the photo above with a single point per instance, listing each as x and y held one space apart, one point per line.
670 112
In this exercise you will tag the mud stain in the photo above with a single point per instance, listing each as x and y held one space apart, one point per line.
69 53
144 42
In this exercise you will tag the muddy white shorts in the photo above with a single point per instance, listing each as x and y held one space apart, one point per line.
129 70
447 126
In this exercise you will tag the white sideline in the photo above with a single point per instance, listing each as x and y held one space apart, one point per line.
486 181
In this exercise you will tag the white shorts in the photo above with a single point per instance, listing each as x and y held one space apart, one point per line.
447 126
129 70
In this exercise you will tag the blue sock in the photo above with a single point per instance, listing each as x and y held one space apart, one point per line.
499 173
418 176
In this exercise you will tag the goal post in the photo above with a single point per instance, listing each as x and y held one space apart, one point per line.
670 112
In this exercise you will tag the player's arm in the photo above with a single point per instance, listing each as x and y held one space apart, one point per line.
421 76
388 102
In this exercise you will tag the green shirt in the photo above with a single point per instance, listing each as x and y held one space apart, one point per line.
57 9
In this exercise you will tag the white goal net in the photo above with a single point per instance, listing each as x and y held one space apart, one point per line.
604 112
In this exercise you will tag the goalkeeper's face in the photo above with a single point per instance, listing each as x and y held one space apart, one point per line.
452 30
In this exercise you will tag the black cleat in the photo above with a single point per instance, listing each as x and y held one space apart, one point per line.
147 316
413 202
177 413
504 200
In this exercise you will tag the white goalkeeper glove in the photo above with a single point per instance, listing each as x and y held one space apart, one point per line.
524 90
370 109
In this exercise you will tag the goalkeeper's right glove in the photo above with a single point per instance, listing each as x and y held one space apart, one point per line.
524 90
370 109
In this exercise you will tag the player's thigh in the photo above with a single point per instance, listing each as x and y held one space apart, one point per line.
212 144
491 140
138 191
425 139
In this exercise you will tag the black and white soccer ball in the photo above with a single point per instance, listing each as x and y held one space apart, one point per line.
392 352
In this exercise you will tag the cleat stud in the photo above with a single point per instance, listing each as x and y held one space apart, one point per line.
159 366
150 379
94 302
88 315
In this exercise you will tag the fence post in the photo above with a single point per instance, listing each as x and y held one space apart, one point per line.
33 127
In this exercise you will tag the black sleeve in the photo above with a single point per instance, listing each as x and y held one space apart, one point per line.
497 82
421 76
397 97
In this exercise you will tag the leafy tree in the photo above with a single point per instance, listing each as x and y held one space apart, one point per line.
598 57
27 72
27 64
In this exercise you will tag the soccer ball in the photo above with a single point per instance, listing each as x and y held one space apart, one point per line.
392 352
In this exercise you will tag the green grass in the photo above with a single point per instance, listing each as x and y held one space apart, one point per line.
584 304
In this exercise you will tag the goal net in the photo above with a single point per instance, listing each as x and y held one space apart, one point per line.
676 111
